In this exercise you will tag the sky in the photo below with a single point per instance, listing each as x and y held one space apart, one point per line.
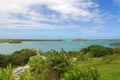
59 19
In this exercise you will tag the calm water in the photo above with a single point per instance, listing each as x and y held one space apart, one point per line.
6 48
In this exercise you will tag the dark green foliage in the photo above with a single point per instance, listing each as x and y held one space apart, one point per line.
97 51
73 53
17 58
84 50
2 60
116 50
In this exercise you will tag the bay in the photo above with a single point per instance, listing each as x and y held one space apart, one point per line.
68 45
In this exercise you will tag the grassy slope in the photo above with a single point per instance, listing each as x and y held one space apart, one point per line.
109 66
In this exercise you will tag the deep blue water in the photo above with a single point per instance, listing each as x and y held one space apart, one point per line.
6 48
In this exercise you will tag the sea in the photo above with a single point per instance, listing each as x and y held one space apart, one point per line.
68 45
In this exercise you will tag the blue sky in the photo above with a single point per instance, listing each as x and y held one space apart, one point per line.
60 19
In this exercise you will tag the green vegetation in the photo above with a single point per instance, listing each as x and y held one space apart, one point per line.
106 40
10 41
115 44
7 73
18 58
3 41
15 41
96 51
92 63
80 40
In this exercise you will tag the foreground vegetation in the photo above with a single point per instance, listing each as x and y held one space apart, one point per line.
18 58
92 63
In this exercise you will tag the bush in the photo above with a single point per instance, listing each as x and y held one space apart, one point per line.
17 58
7 74
78 74
116 50
97 50
53 66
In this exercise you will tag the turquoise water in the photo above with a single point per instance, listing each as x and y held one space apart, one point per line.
6 48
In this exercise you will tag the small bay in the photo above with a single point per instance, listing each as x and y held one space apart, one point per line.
68 45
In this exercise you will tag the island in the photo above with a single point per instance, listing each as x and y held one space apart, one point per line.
80 40
105 40
10 41
15 41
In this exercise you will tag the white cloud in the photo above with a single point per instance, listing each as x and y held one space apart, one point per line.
117 2
90 29
17 14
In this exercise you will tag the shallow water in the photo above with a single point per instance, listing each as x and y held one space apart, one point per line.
6 48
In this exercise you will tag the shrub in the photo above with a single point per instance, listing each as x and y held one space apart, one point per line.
7 74
116 50
53 67
17 58
78 74
97 50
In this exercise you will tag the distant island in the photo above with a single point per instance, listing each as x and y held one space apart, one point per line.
10 41
115 44
80 40
41 39
15 41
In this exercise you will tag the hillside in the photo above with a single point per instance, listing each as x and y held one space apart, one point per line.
92 63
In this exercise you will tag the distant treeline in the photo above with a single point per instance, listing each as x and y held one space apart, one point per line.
10 41
80 40
21 40
96 40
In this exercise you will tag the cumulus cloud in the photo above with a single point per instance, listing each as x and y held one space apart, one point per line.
46 14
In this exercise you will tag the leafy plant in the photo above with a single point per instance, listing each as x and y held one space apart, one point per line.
7 74
78 74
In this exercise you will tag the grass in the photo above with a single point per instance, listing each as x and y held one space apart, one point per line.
107 66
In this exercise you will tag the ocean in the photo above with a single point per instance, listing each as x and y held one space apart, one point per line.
68 45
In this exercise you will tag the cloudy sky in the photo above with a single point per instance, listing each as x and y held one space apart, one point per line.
60 19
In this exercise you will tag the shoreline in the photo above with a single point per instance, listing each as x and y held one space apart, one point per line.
16 41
